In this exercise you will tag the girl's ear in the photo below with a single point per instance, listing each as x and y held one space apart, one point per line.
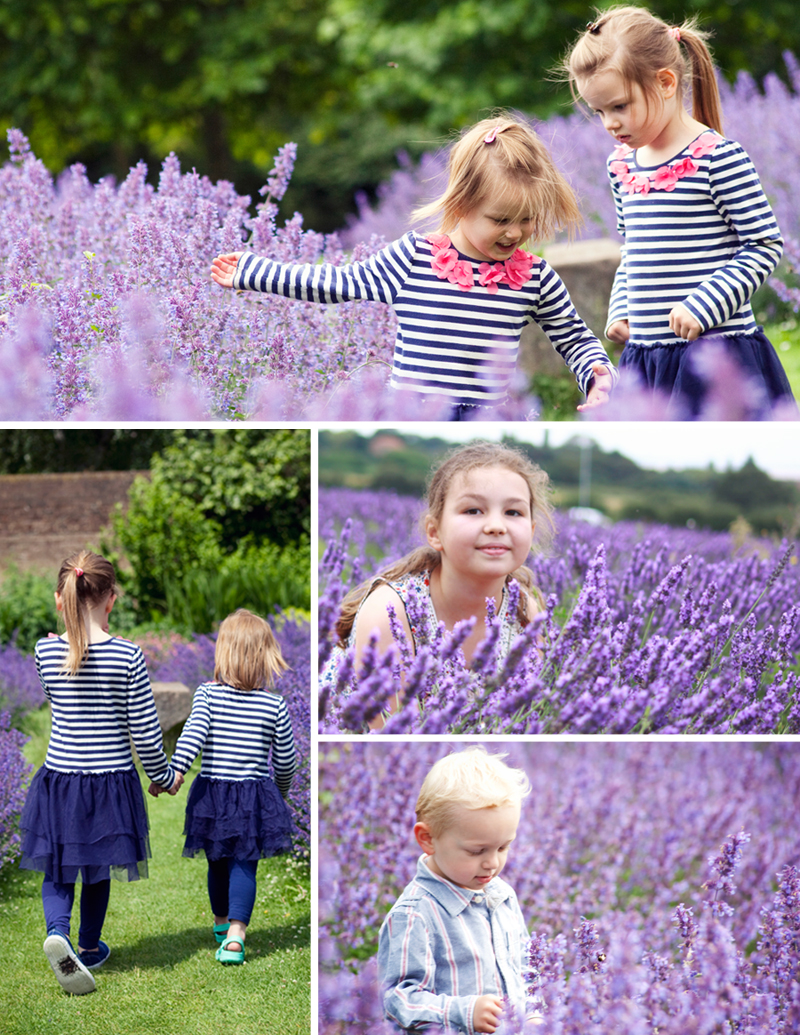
59 602
668 82
110 602
422 832
432 533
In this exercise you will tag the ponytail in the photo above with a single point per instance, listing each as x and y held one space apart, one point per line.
706 102
84 579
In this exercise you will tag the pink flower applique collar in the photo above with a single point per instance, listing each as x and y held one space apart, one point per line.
666 176
515 271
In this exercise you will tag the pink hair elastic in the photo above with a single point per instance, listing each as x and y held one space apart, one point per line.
491 136
78 572
675 33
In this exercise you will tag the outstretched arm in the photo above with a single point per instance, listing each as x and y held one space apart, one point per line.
224 267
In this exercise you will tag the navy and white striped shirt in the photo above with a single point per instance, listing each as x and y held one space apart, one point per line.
236 731
98 711
707 240
442 946
461 344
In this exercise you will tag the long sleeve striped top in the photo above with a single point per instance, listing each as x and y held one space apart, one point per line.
238 731
452 342
442 946
699 231
102 708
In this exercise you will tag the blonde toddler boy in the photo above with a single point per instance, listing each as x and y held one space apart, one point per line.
451 948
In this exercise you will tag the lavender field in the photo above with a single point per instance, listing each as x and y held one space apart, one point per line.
646 629
107 311
169 659
660 882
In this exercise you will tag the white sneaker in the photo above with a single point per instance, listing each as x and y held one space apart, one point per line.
68 969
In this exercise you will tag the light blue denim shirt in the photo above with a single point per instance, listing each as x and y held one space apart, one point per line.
442 946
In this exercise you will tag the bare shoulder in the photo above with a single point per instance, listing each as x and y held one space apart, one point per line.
374 612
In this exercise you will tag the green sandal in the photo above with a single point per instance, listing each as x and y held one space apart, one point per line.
220 930
226 955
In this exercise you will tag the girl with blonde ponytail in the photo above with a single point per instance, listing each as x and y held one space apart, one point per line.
700 236
85 813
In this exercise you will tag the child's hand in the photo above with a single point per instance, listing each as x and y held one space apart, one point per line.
619 332
486 1013
601 386
686 326
155 790
224 267
177 785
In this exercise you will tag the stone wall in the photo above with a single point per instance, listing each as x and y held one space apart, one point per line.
587 269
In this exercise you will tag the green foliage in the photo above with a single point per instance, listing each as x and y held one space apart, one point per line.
559 396
27 608
222 522
26 451
259 578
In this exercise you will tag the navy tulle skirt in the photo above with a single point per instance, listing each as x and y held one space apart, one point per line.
236 819
92 824
675 371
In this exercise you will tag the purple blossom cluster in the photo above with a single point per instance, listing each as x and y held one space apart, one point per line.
193 663
14 771
20 689
660 883
645 628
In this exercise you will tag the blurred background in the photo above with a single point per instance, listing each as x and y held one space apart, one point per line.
355 83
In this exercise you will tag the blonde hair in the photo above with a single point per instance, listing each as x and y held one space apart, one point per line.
503 160
471 779
84 579
247 655
637 45
459 462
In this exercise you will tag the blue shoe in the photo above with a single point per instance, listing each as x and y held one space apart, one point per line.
70 973
91 959
220 930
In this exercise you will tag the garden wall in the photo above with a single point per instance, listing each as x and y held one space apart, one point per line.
45 517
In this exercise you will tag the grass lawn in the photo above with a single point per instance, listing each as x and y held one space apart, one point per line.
162 977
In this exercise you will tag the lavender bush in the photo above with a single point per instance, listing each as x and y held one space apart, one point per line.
20 689
660 883
173 660
14 771
646 628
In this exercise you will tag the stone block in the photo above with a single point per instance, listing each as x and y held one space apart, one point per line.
173 704
587 269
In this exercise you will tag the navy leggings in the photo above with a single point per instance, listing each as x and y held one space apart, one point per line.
232 888
58 900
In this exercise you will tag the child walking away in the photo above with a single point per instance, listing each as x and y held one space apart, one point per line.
85 812
700 236
484 502
235 814
451 949
463 295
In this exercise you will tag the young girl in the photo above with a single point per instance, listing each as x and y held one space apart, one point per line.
463 295
700 236
85 811
234 812
484 502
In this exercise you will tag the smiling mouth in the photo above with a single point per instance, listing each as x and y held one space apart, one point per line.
494 549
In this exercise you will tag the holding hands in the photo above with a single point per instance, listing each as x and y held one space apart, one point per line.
155 789
224 267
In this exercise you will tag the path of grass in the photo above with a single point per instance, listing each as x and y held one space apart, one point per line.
162 977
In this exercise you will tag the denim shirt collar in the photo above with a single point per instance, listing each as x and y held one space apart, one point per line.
455 899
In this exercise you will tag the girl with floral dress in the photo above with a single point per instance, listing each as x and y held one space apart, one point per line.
484 502
462 296
700 236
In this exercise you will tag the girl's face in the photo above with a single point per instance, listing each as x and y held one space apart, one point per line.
624 109
493 231
486 526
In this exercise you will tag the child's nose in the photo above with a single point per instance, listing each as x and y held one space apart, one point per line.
495 522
